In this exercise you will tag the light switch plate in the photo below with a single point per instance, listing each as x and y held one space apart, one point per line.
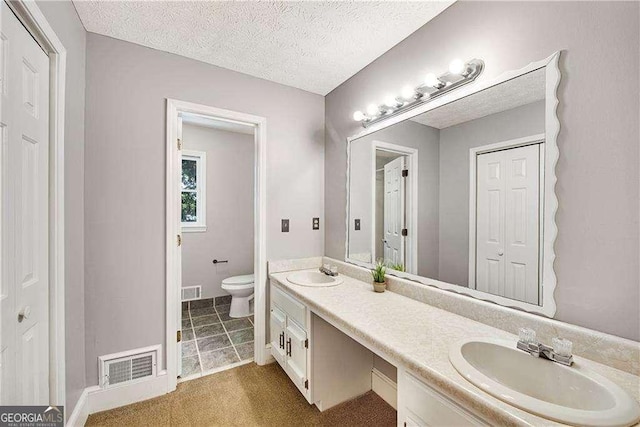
316 223
285 225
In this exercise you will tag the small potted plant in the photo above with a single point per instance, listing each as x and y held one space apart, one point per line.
379 278
397 267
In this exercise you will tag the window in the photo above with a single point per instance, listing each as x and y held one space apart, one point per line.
194 178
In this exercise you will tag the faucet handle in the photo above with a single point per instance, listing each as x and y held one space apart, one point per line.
562 347
527 336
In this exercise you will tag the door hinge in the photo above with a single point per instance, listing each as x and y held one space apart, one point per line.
405 173
306 343
179 336
405 232
179 144
179 240
306 384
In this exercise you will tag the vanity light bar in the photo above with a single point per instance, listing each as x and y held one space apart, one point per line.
459 74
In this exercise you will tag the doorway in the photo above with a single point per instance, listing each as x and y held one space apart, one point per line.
394 210
217 217
215 236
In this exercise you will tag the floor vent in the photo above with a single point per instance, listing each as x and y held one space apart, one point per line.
129 366
191 292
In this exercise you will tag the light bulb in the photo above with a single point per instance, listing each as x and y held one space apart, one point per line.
408 92
372 109
390 101
456 67
358 116
431 80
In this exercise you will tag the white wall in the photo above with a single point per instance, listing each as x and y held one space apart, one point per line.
127 87
230 210
598 258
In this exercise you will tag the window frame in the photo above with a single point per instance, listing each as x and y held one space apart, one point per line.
200 225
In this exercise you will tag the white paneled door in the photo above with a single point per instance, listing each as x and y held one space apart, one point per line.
508 221
24 163
394 212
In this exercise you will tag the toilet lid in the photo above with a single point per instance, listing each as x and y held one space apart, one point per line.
238 280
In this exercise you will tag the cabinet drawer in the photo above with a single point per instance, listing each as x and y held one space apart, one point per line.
292 307
425 406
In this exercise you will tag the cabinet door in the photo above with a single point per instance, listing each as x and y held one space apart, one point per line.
278 323
420 405
296 350
412 420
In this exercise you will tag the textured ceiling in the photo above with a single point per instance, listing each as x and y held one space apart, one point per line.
311 45
513 93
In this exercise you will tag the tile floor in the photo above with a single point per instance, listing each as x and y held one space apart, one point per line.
211 340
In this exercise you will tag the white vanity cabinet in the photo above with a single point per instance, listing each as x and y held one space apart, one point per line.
421 405
290 338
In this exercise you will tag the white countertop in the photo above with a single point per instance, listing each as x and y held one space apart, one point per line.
418 336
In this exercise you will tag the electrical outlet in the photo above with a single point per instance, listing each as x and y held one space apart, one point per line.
357 224
285 225
316 223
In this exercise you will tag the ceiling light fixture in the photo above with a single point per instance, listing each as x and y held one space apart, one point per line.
457 67
459 74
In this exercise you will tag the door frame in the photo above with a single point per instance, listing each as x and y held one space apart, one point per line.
30 15
173 227
490 148
411 194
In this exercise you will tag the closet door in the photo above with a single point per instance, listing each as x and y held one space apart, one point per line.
278 322
490 223
508 223
522 206
24 216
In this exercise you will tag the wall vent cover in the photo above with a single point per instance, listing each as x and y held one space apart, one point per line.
191 292
130 366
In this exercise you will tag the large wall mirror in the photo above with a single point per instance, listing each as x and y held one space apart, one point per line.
460 192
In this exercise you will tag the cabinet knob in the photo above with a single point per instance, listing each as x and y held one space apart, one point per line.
500 252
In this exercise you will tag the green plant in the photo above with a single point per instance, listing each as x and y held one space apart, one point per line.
397 267
379 271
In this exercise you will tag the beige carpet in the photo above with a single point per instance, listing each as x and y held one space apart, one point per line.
249 395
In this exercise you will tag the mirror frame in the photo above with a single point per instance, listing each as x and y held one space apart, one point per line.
552 153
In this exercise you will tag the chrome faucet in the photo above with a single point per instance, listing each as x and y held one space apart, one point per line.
329 270
559 353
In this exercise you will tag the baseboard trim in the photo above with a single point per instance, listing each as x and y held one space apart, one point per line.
384 387
268 357
103 399
78 417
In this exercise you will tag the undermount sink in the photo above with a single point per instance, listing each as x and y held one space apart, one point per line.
313 279
572 395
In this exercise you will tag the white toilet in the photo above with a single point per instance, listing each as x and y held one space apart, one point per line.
241 290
